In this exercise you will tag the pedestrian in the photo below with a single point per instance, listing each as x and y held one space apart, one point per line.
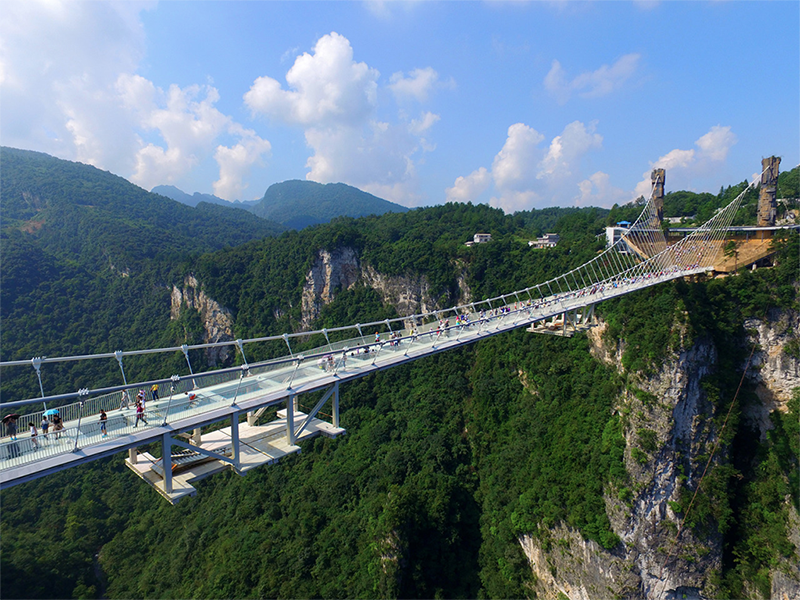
45 426
58 425
34 433
11 425
140 397
154 391
103 420
139 414
123 403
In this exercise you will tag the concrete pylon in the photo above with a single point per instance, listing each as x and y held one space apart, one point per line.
657 178
767 205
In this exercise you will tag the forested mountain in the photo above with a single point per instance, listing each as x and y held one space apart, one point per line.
170 191
297 204
79 212
480 472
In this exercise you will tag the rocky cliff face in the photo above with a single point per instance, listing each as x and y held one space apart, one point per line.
217 320
342 269
666 428
662 427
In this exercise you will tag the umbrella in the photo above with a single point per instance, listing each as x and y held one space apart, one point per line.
11 416
52 411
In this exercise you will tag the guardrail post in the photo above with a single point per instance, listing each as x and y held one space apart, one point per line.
185 350
82 393
241 349
36 361
174 381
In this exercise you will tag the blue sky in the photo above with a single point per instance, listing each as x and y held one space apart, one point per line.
518 104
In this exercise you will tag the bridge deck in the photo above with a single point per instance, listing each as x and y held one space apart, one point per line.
269 385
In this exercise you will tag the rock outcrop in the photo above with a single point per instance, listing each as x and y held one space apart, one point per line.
217 320
342 269
667 408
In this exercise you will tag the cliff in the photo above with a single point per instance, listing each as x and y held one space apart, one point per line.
342 268
217 320
669 434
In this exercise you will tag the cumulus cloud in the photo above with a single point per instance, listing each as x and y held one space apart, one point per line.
328 88
712 150
598 191
235 163
469 188
524 175
417 86
592 84
70 89
334 99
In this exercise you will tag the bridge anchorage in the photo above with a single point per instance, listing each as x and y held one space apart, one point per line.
253 413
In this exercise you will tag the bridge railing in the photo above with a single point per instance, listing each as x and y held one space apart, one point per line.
616 266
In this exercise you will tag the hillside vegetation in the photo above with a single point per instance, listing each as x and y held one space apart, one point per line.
447 460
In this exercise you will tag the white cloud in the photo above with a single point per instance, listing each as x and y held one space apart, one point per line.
598 191
514 166
423 124
328 88
469 188
716 143
681 165
69 89
592 84
417 86
335 100
525 176
235 164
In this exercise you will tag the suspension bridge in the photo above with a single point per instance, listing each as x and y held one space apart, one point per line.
257 407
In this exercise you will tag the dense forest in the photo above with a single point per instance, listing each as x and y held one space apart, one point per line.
447 461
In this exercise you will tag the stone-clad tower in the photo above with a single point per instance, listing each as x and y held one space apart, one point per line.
657 177
767 206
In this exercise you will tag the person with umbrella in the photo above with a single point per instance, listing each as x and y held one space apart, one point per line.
57 423
11 425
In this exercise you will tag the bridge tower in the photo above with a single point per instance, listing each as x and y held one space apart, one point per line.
657 179
767 206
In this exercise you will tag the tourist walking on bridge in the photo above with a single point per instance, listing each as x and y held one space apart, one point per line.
139 414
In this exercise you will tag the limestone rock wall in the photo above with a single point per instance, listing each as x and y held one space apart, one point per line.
342 269
675 410
217 320
645 563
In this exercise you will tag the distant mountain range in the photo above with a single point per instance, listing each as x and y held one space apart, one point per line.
77 212
170 191
297 204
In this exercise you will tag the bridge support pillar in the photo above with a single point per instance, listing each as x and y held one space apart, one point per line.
133 455
235 440
166 461
290 404
335 403
196 436
251 418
